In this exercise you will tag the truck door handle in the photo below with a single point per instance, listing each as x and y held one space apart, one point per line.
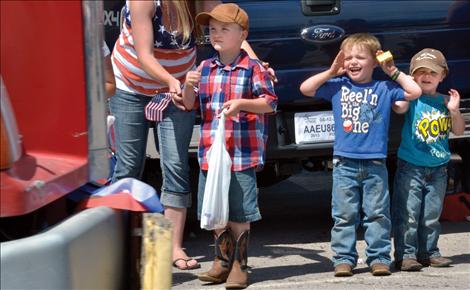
320 7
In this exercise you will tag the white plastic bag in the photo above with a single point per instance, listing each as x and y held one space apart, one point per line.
214 213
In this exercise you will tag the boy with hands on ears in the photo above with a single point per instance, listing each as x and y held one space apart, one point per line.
361 109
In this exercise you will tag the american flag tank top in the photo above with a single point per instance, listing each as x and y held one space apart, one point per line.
176 57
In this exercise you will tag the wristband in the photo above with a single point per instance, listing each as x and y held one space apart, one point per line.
395 75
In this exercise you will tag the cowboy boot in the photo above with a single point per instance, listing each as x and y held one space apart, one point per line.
224 247
238 277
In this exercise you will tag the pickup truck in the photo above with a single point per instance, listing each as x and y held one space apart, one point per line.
300 38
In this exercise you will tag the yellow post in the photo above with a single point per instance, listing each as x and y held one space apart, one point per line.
156 252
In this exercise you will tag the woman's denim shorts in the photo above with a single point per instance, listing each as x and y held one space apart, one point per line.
243 196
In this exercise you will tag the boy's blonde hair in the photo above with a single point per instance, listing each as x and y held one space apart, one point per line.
366 40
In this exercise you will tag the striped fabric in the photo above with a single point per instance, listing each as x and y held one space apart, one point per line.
246 133
175 57
154 109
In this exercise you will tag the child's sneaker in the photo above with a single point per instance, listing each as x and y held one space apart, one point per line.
436 262
380 269
408 265
343 270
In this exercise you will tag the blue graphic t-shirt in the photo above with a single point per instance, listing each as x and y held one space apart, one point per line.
425 134
362 115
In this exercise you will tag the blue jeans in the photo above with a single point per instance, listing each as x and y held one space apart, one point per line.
360 194
173 135
417 204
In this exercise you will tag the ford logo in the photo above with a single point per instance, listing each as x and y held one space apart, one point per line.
322 33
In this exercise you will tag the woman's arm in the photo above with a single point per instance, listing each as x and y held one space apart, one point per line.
110 83
247 47
142 32
207 6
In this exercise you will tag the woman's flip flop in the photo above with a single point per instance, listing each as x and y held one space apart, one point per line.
192 267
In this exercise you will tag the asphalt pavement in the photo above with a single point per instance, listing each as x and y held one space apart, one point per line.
290 246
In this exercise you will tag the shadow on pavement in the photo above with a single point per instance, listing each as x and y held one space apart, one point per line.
461 259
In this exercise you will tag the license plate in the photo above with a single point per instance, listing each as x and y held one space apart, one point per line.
314 127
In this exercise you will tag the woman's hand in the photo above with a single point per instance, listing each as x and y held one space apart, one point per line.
174 88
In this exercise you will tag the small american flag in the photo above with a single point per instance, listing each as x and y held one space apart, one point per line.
156 106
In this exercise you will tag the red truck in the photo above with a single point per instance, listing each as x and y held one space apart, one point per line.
53 141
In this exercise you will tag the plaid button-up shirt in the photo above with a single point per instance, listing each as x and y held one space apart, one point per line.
245 133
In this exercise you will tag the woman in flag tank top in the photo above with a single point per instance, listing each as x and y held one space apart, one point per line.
155 50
